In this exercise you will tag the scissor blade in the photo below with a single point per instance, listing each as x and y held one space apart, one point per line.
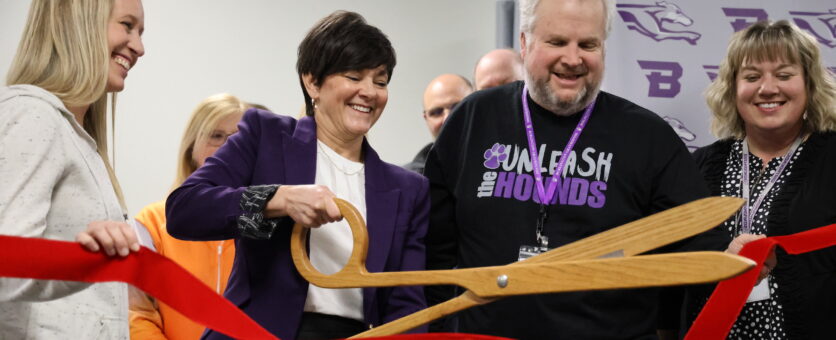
427 315
613 273
579 275
648 233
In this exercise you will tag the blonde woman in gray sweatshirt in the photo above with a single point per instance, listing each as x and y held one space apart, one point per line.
55 180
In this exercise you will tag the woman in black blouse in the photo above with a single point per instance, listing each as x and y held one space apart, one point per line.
773 110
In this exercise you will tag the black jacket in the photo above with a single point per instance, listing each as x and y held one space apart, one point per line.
806 282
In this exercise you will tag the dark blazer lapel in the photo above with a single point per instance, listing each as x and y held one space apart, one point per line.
381 210
300 153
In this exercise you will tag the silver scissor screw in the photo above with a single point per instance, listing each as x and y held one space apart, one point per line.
502 281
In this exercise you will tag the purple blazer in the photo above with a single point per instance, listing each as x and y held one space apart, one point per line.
274 149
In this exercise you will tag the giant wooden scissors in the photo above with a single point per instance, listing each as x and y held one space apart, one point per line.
601 261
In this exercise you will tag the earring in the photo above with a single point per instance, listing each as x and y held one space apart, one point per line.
804 116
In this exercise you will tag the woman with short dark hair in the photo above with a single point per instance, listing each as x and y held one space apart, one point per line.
277 171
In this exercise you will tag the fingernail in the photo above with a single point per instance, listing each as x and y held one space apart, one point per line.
109 252
135 247
124 252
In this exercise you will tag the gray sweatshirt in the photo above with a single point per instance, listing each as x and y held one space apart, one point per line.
52 184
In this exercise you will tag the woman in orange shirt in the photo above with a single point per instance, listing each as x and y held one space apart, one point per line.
212 122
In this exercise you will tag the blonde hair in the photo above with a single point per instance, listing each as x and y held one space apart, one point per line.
771 41
204 120
64 50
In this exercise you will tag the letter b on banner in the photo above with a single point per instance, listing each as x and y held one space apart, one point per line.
664 80
744 17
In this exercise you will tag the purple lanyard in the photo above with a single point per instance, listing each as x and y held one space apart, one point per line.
546 196
748 215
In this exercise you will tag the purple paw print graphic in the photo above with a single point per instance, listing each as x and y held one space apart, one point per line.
494 155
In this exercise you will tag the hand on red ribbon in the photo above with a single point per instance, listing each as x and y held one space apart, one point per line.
741 240
721 310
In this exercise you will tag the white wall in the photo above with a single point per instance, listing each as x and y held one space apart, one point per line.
196 48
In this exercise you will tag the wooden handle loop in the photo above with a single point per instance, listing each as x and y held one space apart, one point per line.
356 264
355 274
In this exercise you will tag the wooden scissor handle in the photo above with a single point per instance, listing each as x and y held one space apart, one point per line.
354 273
356 262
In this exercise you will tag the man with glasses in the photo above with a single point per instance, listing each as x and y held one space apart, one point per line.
441 95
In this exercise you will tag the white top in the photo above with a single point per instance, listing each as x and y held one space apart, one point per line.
52 184
331 244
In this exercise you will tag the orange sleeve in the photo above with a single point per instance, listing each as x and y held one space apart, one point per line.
152 217
144 315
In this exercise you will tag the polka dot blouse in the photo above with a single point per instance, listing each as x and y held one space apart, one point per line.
761 319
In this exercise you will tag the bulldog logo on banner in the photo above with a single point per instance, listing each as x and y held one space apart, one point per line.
650 21
821 25
684 134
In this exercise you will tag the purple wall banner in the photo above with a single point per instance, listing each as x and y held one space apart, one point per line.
663 54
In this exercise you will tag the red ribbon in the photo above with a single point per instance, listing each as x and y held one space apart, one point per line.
727 300
67 261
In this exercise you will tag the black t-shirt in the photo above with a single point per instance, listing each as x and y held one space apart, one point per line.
627 164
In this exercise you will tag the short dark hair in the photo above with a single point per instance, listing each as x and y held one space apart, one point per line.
340 42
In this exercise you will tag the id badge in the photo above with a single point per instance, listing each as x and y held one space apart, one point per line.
529 251
760 292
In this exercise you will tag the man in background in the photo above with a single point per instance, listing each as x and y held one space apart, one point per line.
498 67
441 95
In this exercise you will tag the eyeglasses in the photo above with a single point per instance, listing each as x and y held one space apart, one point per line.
438 111
218 138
